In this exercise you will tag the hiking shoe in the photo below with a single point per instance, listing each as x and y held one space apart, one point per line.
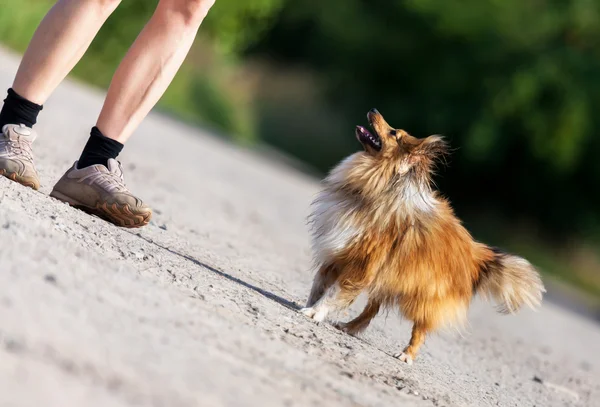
101 191
16 157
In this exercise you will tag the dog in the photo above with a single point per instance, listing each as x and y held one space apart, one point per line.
379 226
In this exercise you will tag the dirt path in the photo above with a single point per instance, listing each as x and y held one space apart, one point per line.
199 308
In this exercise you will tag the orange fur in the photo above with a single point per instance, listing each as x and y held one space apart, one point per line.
379 227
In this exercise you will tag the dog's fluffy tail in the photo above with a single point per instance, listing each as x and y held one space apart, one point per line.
511 281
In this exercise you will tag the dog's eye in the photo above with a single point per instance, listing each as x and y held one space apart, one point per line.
392 132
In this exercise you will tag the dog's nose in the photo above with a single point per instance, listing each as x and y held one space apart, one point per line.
374 111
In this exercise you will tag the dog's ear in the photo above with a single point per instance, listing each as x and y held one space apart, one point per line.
429 151
434 146
406 141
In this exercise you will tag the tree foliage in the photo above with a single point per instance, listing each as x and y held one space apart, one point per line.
235 24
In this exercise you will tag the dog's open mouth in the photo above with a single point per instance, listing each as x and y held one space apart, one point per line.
367 138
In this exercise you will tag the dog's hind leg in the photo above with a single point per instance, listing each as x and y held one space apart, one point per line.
361 322
419 332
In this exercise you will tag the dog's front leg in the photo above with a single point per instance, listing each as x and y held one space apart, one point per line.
325 304
324 279
341 293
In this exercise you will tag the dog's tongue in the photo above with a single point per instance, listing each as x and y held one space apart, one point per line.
363 130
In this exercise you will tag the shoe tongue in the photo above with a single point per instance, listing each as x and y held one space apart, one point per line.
15 132
114 167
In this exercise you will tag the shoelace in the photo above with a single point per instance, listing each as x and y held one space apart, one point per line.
19 147
110 181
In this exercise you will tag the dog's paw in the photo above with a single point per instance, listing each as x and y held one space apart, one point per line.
342 326
403 357
314 313
309 312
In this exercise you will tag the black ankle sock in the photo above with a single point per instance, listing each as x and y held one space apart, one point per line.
99 149
18 110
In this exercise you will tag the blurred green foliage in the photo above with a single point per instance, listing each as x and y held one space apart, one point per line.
17 24
235 25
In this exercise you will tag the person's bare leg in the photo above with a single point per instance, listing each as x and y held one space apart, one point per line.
150 65
58 44
141 79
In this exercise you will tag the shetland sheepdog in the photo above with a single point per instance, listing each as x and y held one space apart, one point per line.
380 227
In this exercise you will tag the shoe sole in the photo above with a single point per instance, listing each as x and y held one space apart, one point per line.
27 182
120 215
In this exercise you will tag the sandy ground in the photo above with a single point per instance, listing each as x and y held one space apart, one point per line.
200 307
